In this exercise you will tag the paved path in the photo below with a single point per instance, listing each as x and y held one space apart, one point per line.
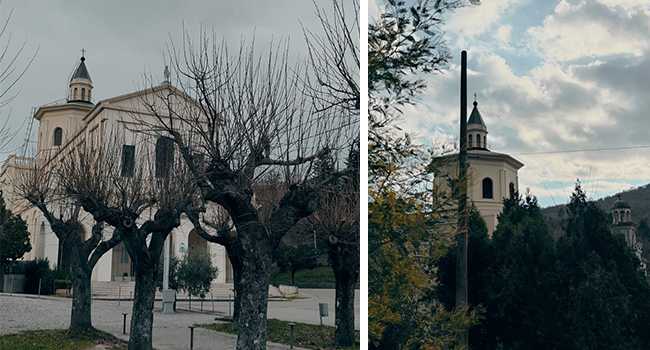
18 313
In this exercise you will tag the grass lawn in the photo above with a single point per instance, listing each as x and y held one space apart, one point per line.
58 340
320 277
305 335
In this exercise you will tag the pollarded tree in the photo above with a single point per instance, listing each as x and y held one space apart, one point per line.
337 221
39 186
249 118
143 203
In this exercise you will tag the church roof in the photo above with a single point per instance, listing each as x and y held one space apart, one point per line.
475 117
81 72
481 155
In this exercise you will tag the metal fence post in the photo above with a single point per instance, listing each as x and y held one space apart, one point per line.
191 337
291 340
124 323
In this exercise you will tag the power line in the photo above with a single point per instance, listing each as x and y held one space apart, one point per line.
623 148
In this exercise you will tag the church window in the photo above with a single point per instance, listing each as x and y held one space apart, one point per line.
470 140
484 141
487 188
164 156
58 137
512 190
128 160
74 96
478 141
83 93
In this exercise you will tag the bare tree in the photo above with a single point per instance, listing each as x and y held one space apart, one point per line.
12 69
334 62
334 58
337 222
39 186
143 203
237 118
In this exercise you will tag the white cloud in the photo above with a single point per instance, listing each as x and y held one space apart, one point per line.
592 29
472 21
504 35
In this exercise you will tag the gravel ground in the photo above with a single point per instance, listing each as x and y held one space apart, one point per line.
20 312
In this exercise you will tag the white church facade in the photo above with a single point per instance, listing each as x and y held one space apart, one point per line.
64 125
491 176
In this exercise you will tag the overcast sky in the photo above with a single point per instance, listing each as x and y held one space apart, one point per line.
552 75
124 39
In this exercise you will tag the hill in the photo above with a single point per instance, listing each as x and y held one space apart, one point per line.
638 198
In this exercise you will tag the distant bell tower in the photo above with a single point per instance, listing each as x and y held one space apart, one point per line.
622 221
81 85
622 225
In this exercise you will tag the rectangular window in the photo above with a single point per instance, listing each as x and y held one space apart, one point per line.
128 160
164 156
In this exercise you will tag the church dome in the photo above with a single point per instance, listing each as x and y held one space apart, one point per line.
475 118
81 86
476 130
81 72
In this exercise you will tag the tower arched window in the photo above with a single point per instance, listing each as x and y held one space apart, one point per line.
74 96
488 191
470 140
58 137
83 93
478 140
164 156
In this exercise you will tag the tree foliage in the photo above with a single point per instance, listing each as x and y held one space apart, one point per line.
14 237
408 226
195 274
584 291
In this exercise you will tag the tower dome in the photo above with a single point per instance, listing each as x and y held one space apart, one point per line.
621 212
81 86
476 130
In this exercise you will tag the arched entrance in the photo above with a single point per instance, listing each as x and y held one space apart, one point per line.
121 267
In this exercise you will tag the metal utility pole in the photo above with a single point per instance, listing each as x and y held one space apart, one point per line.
462 234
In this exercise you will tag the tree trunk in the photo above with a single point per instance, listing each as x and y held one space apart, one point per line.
253 291
81 318
293 277
80 273
235 261
143 302
345 263
345 283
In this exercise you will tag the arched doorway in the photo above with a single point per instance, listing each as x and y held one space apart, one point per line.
121 267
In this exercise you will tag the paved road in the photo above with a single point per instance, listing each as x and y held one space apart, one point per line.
18 313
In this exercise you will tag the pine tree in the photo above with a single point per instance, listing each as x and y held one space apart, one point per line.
14 238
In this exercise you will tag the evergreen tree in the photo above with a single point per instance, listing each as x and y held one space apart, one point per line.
521 281
14 237
606 306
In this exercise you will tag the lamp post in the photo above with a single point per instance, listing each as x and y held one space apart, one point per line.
168 295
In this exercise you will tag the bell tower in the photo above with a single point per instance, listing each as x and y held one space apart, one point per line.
81 86
476 129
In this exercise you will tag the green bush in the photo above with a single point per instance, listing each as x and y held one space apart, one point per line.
195 274
35 271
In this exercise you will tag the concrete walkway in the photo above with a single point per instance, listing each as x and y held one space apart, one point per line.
171 332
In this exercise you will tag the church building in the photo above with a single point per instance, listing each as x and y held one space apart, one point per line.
492 176
623 226
65 124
